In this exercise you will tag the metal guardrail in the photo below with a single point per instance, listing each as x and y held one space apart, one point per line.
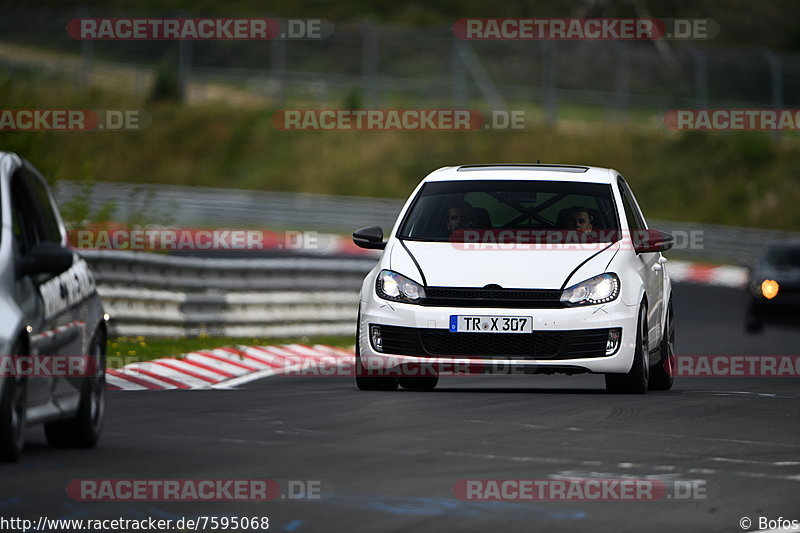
183 206
723 244
206 206
164 296
159 295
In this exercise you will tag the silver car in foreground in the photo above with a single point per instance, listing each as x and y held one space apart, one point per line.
50 317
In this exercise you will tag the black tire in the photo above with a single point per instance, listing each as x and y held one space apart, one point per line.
662 375
83 430
12 418
419 383
635 381
364 382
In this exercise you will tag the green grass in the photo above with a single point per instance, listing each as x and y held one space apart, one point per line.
742 179
126 350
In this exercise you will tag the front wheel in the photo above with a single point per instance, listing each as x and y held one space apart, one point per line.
365 382
83 430
12 419
635 381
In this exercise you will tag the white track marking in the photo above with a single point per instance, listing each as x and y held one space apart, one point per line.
239 359
130 371
179 363
216 363
247 378
123 383
170 373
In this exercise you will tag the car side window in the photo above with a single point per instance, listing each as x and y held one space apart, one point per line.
22 215
46 225
635 222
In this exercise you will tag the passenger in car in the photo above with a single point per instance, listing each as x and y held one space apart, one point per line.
574 218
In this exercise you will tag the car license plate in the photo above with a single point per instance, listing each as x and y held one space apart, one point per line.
490 324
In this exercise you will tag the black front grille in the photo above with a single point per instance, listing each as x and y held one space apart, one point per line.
478 297
566 344
443 342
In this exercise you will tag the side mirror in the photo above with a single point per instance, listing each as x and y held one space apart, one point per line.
653 240
370 238
45 258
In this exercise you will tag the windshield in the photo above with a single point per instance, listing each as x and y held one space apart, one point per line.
451 210
782 258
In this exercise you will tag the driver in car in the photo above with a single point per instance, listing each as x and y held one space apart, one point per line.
459 217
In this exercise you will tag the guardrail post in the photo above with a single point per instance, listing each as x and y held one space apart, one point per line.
87 56
277 65
184 67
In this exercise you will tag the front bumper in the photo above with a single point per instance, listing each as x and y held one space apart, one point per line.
554 344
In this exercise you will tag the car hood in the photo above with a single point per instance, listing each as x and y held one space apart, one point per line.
444 264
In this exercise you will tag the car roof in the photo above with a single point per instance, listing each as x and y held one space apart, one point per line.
782 245
12 155
8 161
524 172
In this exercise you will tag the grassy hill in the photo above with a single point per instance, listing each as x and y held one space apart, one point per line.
727 178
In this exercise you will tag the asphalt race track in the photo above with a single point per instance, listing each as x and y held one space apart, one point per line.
389 461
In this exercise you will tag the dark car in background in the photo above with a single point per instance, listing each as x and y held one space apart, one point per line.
774 287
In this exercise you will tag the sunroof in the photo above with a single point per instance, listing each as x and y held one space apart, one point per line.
522 166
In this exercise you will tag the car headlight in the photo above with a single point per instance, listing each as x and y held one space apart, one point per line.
597 290
398 288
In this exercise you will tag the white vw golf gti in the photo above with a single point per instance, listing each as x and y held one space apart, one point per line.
521 268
